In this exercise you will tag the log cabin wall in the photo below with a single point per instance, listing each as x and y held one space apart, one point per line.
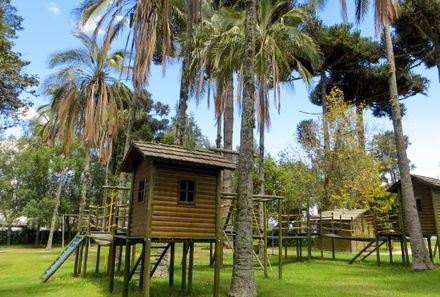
175 220
138 218
426 215
436 208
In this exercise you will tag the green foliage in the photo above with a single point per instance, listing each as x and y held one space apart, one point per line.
13 80
383 147
352 174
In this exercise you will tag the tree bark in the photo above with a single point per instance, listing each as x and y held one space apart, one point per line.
228 130
84 186
360 127
9 234
37 235
218 140
326 134
243 278
55 209
185 79
261 251
420 256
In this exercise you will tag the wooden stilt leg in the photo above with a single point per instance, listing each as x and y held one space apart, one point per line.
191 266
211 262
429 247
141 279
98 257
126 268
112 259
172 260
390 249
120 257
402 250
75 268
86 255
184 256
81 252
147 268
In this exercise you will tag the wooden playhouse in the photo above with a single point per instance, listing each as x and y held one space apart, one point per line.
175 197
427 194
346 225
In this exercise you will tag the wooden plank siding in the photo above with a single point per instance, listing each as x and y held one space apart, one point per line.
174 220
426 216
436 208
138 219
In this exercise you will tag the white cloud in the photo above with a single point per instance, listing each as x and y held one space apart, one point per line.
27 113
53 8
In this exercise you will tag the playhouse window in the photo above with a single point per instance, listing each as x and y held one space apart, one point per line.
418 204
141 191
186 191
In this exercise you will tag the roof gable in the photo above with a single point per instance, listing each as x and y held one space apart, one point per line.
173 154
430 181
343 214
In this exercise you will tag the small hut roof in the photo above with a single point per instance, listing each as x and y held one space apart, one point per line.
430 181
343 214
173 154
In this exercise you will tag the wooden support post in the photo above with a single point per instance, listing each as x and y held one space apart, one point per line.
280 241
377 241
86 255
390 248
300 248
75 267
211 262
320 234
147 254
218 235
402 249
81 252
62 232
333 238
133 255
126 268
141 279
111 267
120 250
184 262
172 260
265 239
429 247
98 257
191 266
309 234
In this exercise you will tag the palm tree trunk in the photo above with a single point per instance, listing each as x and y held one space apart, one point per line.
243 278
185 79
55 209
228 130
218 140
261 149
84 185
420 256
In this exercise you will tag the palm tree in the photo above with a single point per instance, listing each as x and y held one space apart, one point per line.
385 13
87 99
243 278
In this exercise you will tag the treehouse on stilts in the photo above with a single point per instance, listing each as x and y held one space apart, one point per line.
175 198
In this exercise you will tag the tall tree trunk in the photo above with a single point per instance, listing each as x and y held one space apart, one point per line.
261 251
326 134
84 186
360 126
37 235
218 140
420 256
55 209
228 130
185 79
243 278
9 234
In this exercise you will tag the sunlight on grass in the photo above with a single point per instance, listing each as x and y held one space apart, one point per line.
21 268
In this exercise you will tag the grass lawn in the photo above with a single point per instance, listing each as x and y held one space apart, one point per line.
20 268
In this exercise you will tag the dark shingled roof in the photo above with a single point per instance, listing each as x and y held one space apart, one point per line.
430 181
175 154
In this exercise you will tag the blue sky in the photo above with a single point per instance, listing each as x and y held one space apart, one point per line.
48 28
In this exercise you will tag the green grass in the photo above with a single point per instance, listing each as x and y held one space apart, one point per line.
20 268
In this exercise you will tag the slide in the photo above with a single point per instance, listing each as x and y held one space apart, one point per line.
70 248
